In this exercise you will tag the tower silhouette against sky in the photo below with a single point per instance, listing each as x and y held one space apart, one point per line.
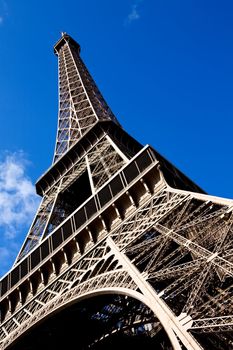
124 249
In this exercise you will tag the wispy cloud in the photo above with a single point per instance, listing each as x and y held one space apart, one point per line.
134 13
18 202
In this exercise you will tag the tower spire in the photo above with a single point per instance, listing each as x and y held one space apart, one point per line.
81 105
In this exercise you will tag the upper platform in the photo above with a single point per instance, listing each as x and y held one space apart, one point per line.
65 39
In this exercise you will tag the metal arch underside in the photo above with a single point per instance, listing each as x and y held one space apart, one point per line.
114 320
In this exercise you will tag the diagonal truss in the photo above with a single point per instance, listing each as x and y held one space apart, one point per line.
192 277
113 236
102 161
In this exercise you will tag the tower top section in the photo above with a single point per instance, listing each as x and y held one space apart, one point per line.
81 104
65 39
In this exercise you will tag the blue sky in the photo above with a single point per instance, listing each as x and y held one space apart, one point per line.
165 68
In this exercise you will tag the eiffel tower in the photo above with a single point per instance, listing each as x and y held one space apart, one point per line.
124 249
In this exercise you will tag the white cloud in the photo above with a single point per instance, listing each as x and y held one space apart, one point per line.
134 13
18 201
18 204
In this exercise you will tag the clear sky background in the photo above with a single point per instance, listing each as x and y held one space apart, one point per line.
165 68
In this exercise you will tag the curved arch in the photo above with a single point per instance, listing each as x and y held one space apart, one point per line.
140 297
69 298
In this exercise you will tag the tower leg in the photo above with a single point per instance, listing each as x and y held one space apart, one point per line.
169 321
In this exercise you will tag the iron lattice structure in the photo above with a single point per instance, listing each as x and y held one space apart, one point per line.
123 244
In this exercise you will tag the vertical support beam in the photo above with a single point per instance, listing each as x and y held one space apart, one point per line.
103 223
168 320
131 199
20 299
65 257
117 211
146 186
90 175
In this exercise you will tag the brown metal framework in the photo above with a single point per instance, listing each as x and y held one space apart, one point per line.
120 225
